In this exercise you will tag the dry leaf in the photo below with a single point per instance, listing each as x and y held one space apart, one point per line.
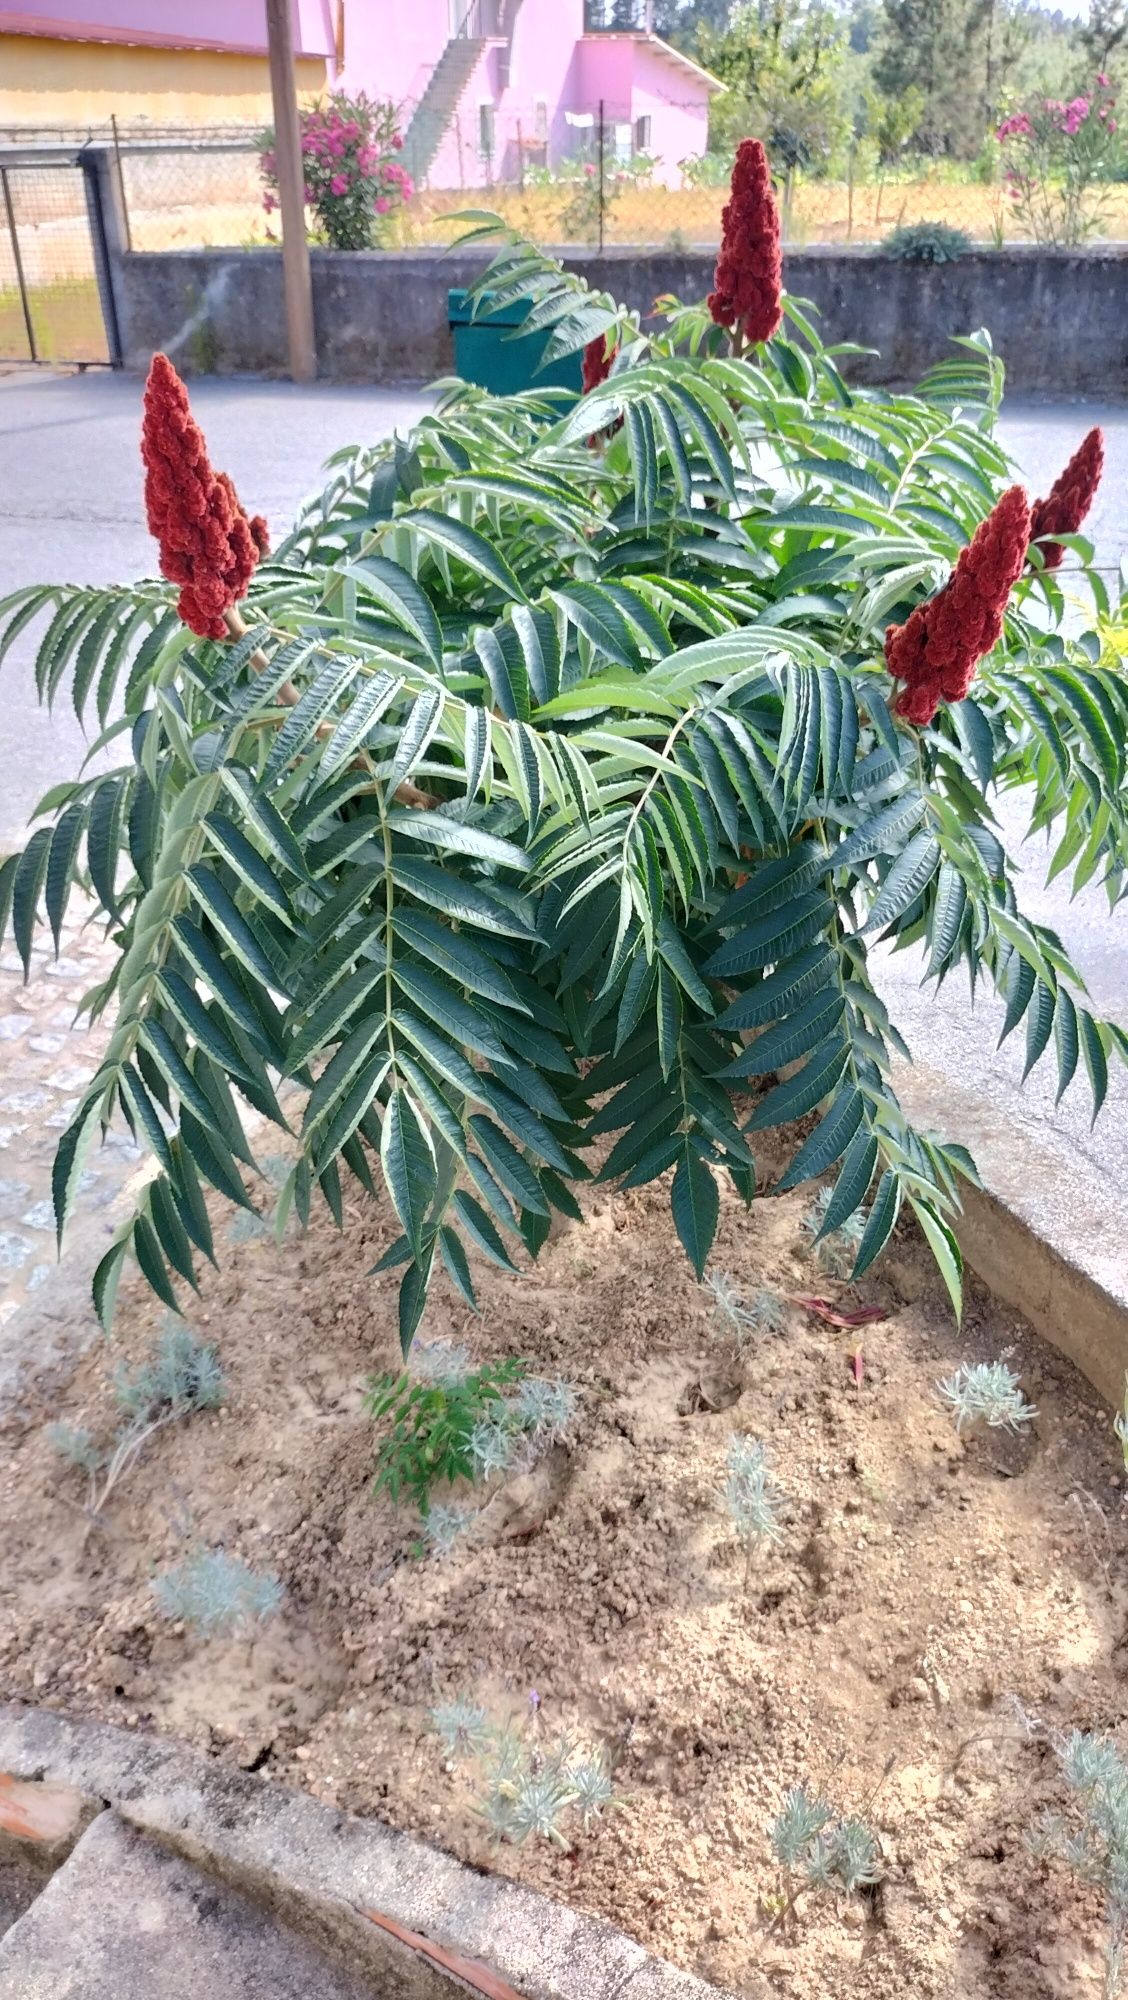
475 1974
835 1316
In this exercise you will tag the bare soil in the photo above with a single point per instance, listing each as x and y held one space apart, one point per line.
922 1583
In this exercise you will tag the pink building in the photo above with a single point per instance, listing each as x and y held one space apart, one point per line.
492 86
489 88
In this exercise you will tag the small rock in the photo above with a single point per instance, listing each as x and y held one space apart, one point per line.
72 1078
47 1045
12 1026
14 1250
24 1100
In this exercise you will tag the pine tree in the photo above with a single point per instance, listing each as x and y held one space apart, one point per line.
939 47
1105 32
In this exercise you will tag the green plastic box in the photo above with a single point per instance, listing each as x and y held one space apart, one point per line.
482 354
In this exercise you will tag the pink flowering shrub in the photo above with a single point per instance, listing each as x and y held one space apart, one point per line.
353 180
1058 161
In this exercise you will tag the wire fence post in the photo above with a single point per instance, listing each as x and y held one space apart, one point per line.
17 260
600 152
121 181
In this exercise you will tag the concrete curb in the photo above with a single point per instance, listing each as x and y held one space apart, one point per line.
1066 1304
1042 1233
316 1868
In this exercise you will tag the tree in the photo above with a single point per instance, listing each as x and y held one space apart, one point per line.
681 21
958 54
782 63
1105 32
546 793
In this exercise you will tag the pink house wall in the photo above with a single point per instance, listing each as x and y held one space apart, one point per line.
235 25
677 104
392 46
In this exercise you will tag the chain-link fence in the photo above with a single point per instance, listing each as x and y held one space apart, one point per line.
625 174
50 306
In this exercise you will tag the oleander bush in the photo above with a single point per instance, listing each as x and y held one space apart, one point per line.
548 785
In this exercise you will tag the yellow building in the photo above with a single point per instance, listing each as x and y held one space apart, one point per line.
159 62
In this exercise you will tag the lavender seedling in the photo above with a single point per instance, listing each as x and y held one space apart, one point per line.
528 1788
216 1594
591 1777
440 1361
181 1376
491 1446
741 1321
1097 1848
77 1446
822 1852
249 1227
545 1410
752 1498
986 1392
837 1252
444 1527
462 1726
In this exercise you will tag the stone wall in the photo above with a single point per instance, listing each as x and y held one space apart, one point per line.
1059 318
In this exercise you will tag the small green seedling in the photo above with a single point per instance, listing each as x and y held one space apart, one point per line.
1094 1839
988 1393
752 1498
816 1851
181 1377
432 1423
217 1595
527 1788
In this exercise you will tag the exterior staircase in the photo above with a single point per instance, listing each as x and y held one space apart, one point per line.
438 104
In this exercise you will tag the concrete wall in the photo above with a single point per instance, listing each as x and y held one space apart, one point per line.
1059 319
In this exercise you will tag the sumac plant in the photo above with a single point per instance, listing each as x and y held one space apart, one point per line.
539 809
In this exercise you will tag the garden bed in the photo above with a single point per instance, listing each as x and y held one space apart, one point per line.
923 1580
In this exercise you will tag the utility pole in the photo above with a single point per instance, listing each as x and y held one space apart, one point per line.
291 193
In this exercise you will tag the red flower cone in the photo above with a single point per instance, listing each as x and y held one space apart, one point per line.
749 275
208 546
1069 498
597 365
936 651
597 362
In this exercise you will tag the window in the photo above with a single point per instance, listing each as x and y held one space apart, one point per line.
621 142
540 121
642 134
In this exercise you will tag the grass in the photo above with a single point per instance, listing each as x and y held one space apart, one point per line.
821 212
66 317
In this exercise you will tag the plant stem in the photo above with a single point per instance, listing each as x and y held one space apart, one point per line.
407 794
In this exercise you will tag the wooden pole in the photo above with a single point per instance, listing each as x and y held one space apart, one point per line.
291 193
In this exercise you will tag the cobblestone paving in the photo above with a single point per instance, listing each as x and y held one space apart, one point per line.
45 1063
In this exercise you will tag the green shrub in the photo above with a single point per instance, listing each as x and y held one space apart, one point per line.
927 243
542 775
433 1426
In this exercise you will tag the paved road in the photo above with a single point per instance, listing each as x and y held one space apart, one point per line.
70 508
